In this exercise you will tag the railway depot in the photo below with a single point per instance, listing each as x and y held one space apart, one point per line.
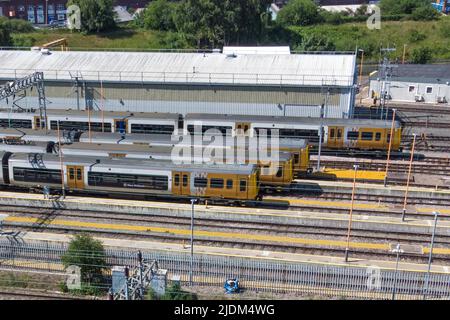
274 84
88 148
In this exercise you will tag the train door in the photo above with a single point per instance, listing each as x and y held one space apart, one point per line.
242 128
37 122
121 125
75 177
335 137
181 183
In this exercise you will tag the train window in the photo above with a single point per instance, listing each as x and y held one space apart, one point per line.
37 175
185 180
229 184
352 135
279 172
15 123
429 89
194 129
332 133
78 174
79 125
388 138
177 180
367 136
152 128
200 182
296 157
216 183
245 128
118 180
411 88
378 136
242 185
339 133
71 174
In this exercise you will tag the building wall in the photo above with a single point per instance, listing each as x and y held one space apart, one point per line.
34 10
406 91
273 101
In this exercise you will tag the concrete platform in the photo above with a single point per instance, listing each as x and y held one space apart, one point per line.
243 253
343 174
289 217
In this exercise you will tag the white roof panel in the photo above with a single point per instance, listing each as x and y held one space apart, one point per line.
256 50
199 68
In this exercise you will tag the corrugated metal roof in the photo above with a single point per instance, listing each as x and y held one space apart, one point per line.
433 73
214 68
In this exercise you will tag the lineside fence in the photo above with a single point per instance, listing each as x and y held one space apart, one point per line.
261 275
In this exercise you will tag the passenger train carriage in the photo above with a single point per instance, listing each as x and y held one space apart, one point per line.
140 177
338 133
274 172
96 121
297 147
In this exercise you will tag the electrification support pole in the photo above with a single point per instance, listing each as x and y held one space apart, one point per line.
61 163
192 244
351 214
390 147
398 251
322 110
409 177
141 267
430 256
361 67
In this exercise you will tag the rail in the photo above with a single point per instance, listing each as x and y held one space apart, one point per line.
254 275
193 77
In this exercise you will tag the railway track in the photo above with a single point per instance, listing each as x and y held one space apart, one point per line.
12 294
436 168
268 230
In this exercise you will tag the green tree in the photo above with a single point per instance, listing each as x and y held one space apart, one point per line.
425 13
421 55
96 15
87 253
393 7
159 15
5 33
299 13
315 42
216 22
173 292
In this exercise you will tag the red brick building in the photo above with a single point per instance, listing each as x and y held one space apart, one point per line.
45 11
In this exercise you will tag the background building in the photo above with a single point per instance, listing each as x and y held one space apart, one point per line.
259 83
35 10
415 82
442 5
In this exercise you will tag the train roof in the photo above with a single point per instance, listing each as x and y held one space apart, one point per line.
369 123
165 139
139 164
97 114
37 135
152 151
38 147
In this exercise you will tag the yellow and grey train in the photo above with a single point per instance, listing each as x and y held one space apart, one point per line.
148 178
277 171
95 121
364 134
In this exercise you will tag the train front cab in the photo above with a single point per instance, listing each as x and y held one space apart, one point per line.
216 185
378 139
